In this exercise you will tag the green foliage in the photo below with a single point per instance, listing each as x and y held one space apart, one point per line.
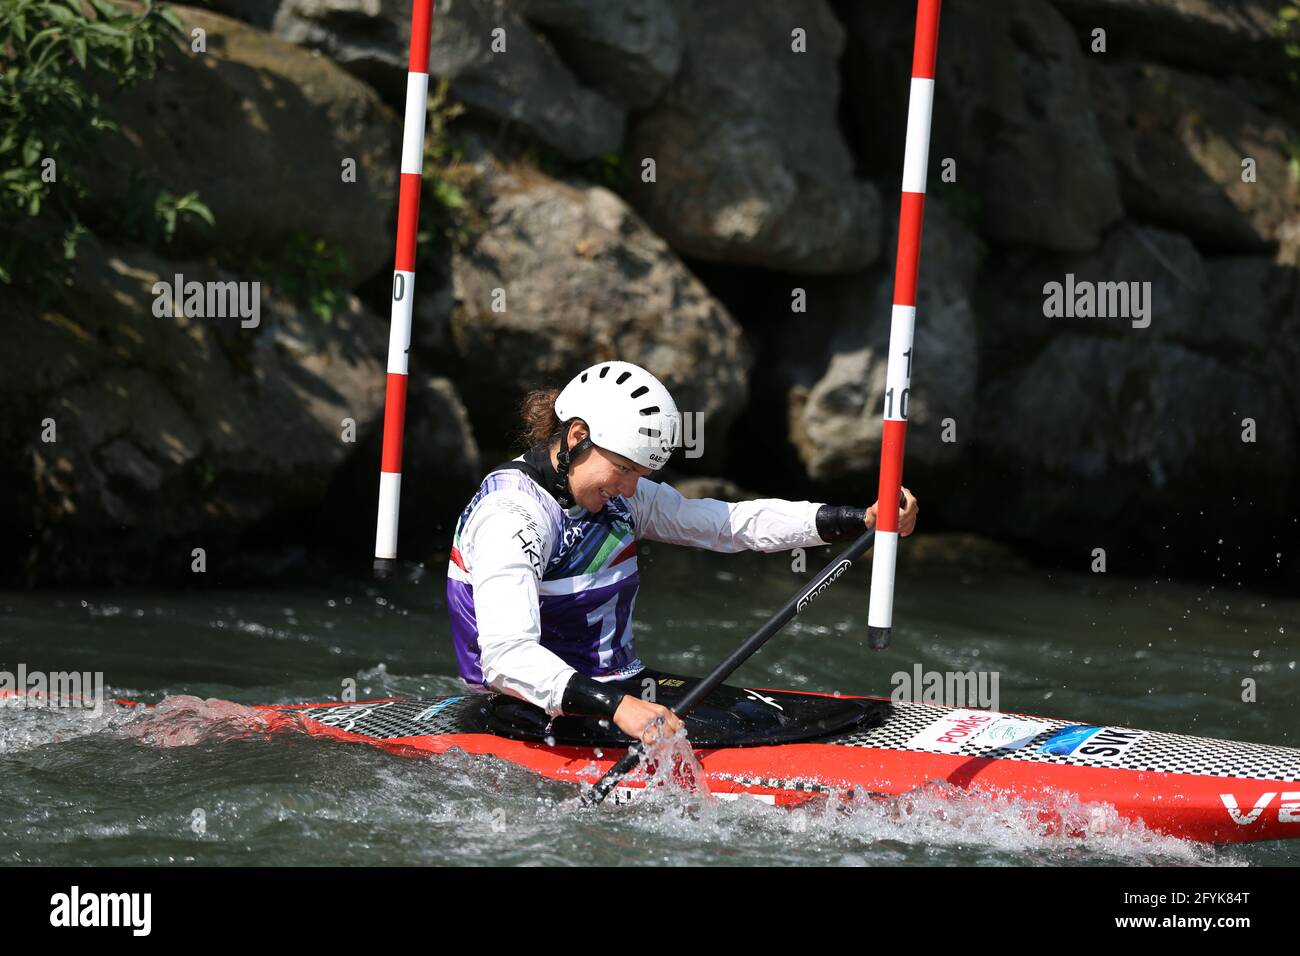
966 204
442 111
168 209
51 119
1293 160
613 171
1287 26
449 181
308 272
151 215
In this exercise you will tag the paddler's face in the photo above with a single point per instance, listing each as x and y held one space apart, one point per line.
599 475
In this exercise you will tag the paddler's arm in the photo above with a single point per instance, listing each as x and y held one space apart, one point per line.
662 513
840 522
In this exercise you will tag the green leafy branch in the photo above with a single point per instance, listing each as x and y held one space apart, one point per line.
449 181
51 119
307 271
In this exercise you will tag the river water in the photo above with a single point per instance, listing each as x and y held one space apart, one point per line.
188 785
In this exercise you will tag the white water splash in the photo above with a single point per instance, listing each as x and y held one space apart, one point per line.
184 721
667 771
24 727
937 820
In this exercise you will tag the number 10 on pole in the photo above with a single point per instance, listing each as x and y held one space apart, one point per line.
898 378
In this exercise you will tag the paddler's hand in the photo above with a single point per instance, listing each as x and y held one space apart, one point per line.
906 515
644 721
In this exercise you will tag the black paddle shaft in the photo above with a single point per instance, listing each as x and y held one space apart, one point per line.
829 575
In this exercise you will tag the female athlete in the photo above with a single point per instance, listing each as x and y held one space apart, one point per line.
543 573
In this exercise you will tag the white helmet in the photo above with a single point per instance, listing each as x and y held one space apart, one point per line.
627 410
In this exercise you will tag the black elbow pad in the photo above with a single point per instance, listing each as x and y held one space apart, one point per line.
836 522
587 696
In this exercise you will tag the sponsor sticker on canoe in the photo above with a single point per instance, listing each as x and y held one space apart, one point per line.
1010 733
1107 744
1288 810
953 729
1064 741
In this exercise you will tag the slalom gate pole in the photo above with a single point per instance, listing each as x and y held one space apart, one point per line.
399 330
898 379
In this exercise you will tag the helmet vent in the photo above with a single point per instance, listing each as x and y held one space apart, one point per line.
640 391
604 371
583 376
649 432
622 378
650 410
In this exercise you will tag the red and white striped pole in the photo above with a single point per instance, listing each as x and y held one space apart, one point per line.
911 211
399 331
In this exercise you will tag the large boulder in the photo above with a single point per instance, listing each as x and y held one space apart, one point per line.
1179 142
1234 308
835 424
565 275
1098 427
1028 297
750 164
526 84
260 129
1254 303
628 51
1219 36
1012 107
257 13
175 433
1135 434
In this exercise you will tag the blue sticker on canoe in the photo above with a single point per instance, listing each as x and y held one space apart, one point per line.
1066 740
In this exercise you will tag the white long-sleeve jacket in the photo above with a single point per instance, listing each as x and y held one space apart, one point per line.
513 532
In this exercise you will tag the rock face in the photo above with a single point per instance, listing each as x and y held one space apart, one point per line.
1013 111
1015 302
1254 303
441 468
1099 423
257 13
1118 420
1222 36
525 83
1180 141
171 433
1167 161
627 51
836 423
749 165
565 276
261 130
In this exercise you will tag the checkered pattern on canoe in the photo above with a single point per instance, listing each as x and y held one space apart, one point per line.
1164 753
397 718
